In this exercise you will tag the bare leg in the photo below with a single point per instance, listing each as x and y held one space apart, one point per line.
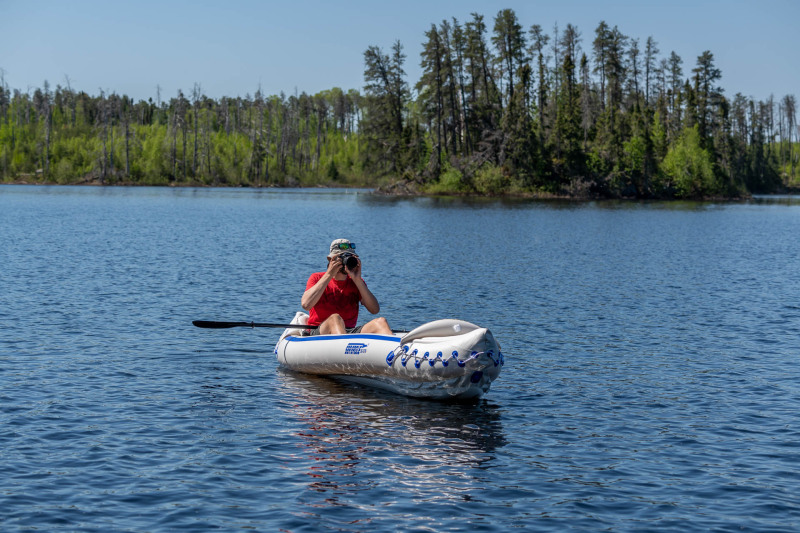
378 325
332 325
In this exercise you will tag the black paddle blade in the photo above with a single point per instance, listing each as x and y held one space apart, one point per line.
220 325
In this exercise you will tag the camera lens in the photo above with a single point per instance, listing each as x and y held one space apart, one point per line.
349 261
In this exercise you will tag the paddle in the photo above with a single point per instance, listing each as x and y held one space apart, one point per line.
223 325
210 324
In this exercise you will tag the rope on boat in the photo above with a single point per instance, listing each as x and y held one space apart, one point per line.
401 352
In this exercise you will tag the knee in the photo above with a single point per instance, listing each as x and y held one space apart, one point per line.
383 325
336 321
332 324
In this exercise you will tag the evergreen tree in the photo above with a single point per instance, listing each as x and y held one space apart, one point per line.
789 104
650 54
706 92
539 42
459 59
430 89
386 94
675 96
566 137
483 96
509 40
601 45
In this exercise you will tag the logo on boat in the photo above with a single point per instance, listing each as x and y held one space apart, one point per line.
355 348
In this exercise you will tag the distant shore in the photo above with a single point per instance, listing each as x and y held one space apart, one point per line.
395 189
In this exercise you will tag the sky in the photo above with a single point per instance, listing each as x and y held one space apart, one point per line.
233 47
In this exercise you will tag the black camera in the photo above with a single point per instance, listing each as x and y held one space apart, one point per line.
349 260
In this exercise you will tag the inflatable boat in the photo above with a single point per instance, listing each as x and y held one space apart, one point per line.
444 359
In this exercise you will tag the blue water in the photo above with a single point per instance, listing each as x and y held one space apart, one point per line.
651 378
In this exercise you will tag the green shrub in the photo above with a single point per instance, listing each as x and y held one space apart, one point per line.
451 181
490 180
688 167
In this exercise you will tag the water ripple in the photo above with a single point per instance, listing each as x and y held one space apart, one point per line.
651 379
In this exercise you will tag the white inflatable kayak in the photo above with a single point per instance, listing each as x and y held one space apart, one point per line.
445 359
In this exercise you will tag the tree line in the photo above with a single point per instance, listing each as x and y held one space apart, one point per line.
500 110
65 136
515 109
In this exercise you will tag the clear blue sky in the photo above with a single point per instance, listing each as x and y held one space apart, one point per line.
230 47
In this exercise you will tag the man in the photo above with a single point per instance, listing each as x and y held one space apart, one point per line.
332 297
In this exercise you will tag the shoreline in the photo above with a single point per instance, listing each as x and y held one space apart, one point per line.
407 192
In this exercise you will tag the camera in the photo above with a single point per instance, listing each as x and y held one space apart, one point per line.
349 261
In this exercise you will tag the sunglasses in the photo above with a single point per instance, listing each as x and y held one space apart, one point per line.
346 246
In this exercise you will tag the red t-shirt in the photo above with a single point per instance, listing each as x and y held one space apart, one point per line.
340 297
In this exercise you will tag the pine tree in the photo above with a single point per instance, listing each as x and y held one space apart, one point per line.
539 41
566 137
676 99
430 89
385 99
650 53
483 96
707 93
509 39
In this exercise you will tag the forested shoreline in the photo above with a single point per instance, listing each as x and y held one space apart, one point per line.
500 109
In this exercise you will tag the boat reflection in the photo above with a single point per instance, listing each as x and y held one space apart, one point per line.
356 439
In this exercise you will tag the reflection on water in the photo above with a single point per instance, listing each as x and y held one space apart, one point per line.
564 203
358 439
787 199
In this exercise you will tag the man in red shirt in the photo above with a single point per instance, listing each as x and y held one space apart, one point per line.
332 297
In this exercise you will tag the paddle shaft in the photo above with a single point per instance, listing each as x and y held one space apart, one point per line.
210 324
224 325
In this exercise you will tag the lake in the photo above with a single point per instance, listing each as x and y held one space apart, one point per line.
651 378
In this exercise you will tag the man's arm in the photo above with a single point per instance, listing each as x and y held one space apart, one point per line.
367 298
312 295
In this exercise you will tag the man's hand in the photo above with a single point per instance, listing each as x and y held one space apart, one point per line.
334 266
356 272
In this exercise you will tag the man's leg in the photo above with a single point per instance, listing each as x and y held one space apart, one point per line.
333 325
378 325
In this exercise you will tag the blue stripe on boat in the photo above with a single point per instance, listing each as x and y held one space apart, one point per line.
348 336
